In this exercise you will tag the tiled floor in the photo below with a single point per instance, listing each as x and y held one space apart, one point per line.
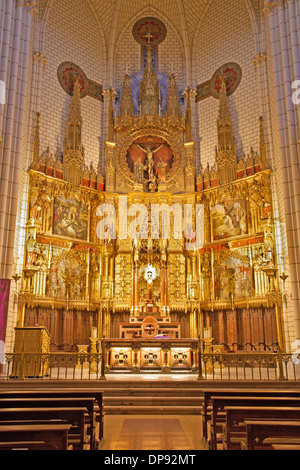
124 432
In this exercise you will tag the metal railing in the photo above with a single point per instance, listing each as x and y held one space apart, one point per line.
53 366
248 366
240 366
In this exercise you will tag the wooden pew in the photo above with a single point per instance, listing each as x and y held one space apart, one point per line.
260 431
55 436
219 404
76 417
208 393
24 445
285 447
65 393
55 402
234 429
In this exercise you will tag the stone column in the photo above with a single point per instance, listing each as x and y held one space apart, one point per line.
278 13
294 22
15 52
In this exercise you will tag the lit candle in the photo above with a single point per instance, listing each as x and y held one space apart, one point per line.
94 332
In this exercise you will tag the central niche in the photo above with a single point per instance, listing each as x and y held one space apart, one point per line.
150 159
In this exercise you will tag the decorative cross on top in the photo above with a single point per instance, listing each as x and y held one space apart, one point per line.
127 69
149 37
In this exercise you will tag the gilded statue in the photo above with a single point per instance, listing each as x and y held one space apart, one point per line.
162 170
139 170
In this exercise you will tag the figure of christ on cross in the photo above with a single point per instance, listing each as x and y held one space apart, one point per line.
150 159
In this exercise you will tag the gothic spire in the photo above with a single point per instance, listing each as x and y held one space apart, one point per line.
226 154
173 106
188 117
126 106
150 89
73 160
225 133
75 120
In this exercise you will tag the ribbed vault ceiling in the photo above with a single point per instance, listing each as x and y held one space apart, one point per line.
186 16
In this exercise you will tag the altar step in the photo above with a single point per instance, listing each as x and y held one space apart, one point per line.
156 400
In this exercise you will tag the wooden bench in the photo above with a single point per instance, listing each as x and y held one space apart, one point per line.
234 429
55 436
260 431
218 410
208 393
55 402
24 445
64 393
285 447
76 417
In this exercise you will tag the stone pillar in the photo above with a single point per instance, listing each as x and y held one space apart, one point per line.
294 23
279 14
15 50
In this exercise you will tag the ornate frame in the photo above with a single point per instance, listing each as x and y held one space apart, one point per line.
123 146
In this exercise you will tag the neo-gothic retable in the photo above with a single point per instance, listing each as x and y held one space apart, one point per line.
149 188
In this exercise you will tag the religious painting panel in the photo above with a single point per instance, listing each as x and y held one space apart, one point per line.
67 277
70 218
233 279
229 219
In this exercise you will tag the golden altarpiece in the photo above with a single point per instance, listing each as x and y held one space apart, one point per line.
97 264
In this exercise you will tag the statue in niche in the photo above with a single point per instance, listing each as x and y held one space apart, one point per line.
162 170
31 250
67 280
139 170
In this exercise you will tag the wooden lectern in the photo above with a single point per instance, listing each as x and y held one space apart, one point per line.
31 352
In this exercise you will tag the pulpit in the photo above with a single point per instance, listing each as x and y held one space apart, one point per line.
31 352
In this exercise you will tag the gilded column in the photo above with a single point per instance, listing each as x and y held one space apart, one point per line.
190 181
110 169
135 281
137 289
164 282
